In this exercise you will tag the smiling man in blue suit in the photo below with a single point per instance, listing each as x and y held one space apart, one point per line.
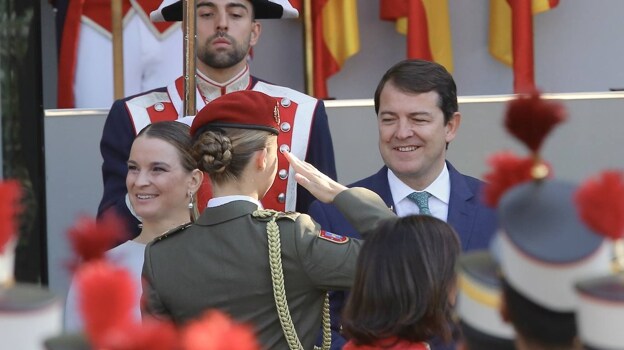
417 117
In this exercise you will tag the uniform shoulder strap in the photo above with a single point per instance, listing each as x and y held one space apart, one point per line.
270 214
173 231
277 278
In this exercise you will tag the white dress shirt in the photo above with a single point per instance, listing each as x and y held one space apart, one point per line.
440 190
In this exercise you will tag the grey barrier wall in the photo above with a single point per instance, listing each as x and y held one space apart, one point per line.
591 140
73 181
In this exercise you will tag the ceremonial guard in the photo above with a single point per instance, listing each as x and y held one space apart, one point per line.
600 298
478 304
542 248
226 30
267 268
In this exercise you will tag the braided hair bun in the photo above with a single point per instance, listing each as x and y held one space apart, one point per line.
213 151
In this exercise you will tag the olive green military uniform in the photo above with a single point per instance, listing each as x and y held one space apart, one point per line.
222 262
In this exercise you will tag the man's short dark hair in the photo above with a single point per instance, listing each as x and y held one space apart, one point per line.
420 76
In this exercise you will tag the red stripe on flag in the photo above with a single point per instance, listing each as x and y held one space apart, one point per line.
522 41
68 55
325 64
391 10
418 45
418 32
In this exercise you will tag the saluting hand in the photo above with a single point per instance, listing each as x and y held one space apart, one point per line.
320 185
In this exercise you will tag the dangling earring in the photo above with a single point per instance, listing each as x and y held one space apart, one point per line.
194 213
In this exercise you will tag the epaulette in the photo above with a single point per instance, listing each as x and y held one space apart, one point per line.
292 215
268 214
173 231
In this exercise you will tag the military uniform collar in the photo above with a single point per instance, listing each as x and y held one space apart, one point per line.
217 201
210 89
226 212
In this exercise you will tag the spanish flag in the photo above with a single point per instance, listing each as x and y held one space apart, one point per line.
335 37
427 26
511 36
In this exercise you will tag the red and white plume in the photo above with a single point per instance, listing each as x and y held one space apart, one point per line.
150 334
91 238
600 202
507 170
531 119
106 300
217 331
10 207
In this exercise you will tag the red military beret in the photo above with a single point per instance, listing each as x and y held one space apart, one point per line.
246 109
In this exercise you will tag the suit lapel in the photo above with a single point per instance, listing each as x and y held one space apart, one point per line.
378 183
461 210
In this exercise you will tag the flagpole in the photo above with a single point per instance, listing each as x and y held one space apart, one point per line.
189 23
308 32
118 64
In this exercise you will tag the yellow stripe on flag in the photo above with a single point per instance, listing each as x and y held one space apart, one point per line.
439 32
439 29
500 27
538 6
500 31
340 29
401 25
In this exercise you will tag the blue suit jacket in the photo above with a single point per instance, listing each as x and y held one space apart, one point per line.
474 222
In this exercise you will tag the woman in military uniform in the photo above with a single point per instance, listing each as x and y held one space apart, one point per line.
269 269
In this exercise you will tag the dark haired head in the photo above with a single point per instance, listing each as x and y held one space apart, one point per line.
476 340
419 76
403 283
176 134
538 325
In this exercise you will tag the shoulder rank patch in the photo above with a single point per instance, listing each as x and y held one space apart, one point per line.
288 215
173 231
269 214
332 237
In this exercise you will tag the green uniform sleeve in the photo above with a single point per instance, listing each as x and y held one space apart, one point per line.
151 304
328 260
363 208
329 265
